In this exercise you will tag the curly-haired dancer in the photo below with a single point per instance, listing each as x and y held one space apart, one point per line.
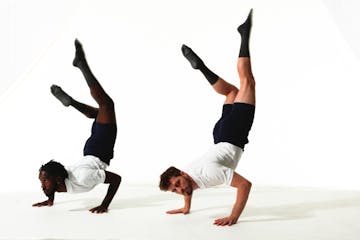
88 171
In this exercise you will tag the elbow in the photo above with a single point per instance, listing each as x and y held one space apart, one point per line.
118 179
247 185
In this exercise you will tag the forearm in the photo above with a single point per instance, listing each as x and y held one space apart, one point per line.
187 203
113 187
241 199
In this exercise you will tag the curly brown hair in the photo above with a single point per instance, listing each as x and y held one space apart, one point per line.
165 177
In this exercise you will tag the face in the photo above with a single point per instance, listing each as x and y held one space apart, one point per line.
48 183
180 185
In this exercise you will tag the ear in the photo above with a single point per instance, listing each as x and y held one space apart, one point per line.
59 179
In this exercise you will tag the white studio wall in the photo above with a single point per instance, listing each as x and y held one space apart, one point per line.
306 66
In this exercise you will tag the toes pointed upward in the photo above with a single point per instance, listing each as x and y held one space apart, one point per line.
77 44
54 88
79 54
62 96
250 14
185 50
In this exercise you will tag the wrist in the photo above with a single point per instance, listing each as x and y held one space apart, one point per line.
105 205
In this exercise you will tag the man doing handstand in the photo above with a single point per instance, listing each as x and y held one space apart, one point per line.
89 171
230 133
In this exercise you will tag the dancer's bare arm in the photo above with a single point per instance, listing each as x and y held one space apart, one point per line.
185 209
243 189
48 202
114 180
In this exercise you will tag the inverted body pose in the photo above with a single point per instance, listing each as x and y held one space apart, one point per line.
217 166
88 171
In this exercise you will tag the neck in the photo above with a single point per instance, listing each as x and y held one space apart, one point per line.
193 183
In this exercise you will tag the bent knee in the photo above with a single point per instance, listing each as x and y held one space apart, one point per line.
103 100
107 103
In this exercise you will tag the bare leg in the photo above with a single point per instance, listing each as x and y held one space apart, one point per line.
246 92
106 112
228 90
87 110
67 100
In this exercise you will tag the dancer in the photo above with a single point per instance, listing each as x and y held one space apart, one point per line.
230 134
88 171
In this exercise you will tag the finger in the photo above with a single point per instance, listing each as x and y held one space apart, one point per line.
226 222
222 222
219 220
172 212
216 221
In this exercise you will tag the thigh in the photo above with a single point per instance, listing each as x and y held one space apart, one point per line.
106 115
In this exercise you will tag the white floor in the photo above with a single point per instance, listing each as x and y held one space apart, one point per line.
138 212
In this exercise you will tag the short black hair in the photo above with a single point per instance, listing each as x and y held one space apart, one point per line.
54 169
165 177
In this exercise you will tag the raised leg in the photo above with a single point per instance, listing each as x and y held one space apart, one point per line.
228 90
246 93
106 112
220 85
67 100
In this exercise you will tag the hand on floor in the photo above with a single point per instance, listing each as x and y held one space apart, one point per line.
99 209
226 221
44 203
181 210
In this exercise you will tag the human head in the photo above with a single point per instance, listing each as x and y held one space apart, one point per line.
176 181
51 175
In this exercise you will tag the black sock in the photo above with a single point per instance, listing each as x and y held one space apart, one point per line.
244 30
62 96
197 63
81 63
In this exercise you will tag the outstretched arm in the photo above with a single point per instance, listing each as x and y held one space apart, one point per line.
114 181
185 209
48 202
243 189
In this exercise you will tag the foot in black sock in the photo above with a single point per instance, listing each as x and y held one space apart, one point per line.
194 59
79 54
246 26
197 63
244 30
62 96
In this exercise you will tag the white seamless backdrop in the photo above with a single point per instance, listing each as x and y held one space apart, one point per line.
305 62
